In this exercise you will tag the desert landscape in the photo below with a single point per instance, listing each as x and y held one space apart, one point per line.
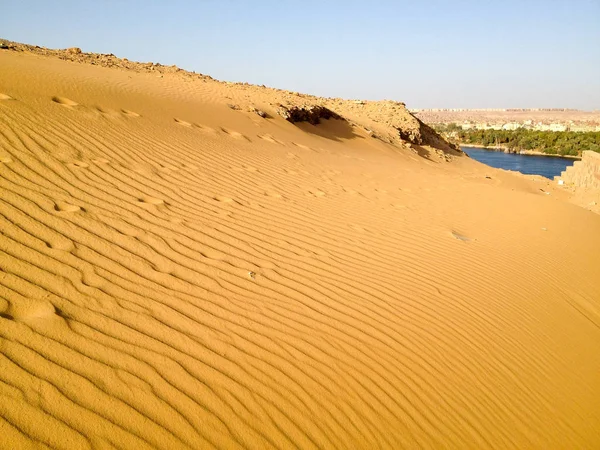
189 263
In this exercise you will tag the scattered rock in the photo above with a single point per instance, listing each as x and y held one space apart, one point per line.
99 59
234 107
260 112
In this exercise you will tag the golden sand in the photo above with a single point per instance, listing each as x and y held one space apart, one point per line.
178 273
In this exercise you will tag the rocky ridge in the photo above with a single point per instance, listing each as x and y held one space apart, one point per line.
387 120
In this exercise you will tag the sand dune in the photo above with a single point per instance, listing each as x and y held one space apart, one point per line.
177 273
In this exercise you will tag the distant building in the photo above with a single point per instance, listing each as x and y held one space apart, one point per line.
583 127
552 127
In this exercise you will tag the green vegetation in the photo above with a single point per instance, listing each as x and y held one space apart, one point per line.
564 143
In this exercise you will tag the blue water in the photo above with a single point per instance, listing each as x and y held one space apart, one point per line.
546 166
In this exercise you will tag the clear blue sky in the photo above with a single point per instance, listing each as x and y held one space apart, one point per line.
425 53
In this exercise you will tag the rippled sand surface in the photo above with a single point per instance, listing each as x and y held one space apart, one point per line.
178 273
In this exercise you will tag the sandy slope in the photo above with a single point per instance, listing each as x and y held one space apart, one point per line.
178 274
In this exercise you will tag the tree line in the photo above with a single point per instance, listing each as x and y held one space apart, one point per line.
564 143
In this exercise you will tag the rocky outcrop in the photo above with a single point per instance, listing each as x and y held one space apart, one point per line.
391 122
582 180
584 173
307 113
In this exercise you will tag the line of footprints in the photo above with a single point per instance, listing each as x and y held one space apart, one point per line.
64 207
71 104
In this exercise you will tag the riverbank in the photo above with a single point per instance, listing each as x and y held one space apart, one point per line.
563 143
505 149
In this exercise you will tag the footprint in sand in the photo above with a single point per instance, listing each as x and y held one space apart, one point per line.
269 138
305 147
182 122
234 134
64 101
316 193
80 164
61 244
357 228
100 161
106 111
147 200
273 194
461 237
204 128
130 113
223 199
66 207
207 129
141 168
168 168
5 159
30 309
5 97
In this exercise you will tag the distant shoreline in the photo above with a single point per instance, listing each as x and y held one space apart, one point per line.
498 148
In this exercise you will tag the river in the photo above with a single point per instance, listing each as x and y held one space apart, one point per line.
546 166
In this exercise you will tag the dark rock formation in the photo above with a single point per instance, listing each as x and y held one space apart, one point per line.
310 113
